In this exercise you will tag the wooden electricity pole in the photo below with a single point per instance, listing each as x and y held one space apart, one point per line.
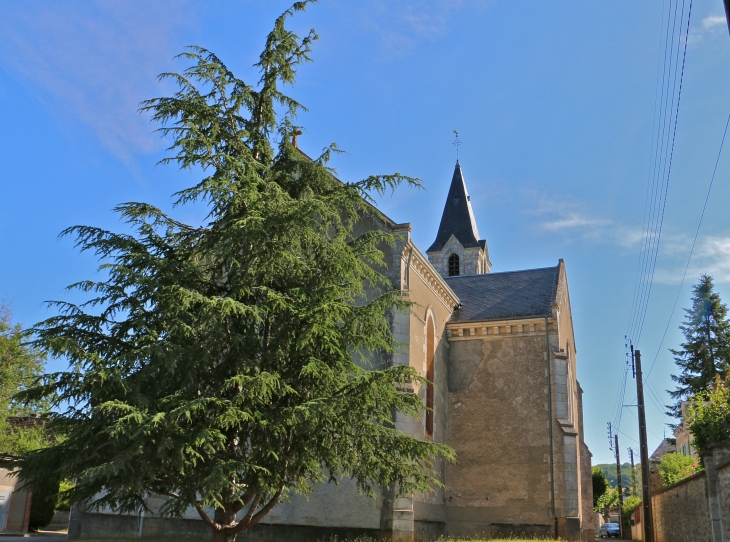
646 516
620 490
633 472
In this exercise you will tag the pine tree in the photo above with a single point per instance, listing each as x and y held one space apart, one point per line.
706 350
222 365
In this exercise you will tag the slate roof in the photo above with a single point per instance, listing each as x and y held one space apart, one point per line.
505 296
667 446
458 217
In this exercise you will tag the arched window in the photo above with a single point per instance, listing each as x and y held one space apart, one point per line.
453 265
429 376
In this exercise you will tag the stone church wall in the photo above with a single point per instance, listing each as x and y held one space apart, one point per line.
428 509
498 387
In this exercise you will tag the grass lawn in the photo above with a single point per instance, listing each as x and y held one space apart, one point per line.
324 540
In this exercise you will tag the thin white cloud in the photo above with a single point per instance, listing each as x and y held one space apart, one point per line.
400 26
713 21
711 256
574 220
570 217
710 26
93 62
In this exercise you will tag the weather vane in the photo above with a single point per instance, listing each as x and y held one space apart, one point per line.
456 143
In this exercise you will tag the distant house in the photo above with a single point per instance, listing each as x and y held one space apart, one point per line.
667 446
683 435
14 504
14 499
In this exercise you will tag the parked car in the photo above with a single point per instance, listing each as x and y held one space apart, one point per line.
609 530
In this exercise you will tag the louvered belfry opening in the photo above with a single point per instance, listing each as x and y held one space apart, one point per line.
454 265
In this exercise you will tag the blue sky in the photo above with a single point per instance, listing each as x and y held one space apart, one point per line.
554 102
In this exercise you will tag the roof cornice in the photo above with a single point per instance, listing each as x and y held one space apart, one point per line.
423 268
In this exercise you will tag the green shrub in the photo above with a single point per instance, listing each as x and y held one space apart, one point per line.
62 502
708 415
43 503
600 485
675 467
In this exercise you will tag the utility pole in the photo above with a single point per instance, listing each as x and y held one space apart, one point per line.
620 489
727 13
646 516
633 472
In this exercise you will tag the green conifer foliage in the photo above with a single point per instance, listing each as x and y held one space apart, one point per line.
222 365
705 353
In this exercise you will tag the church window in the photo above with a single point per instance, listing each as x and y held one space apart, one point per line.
429 376
453 265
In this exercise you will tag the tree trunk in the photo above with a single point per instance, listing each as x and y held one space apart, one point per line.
221 536
224 517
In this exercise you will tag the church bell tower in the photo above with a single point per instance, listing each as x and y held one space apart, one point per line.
457 249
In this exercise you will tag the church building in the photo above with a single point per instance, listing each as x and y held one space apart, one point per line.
501 353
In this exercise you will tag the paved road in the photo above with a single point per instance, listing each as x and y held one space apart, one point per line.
38 537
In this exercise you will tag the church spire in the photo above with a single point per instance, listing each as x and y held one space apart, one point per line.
457 249
458 217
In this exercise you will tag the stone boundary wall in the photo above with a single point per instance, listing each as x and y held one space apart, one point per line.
60 520
697 509
102 525
682 513
723 479
717 469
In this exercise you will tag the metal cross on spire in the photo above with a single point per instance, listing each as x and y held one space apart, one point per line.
456 143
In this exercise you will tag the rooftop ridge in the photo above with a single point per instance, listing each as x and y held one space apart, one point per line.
501 272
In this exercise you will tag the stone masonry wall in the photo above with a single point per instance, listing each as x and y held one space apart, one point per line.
697 509
723 483
681 512
472 261
498 427
586 486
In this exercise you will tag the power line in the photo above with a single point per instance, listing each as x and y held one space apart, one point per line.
628 437
654 393
691 251
669 168
663 172
654 396
667 100
657 400
622 395
656 165
637 419
652 156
